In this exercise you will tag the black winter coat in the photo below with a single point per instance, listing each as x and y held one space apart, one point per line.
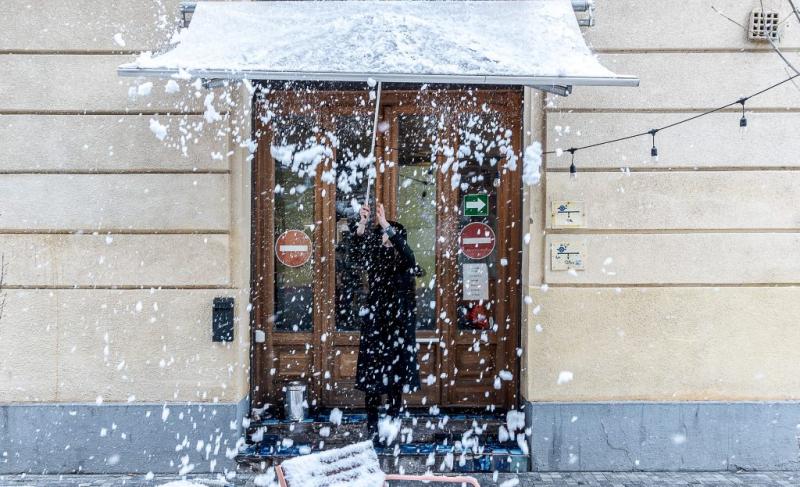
387 353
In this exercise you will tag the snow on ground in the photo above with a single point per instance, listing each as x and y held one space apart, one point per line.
510 482
354 465
182 483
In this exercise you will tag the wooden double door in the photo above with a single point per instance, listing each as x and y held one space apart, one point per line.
443 159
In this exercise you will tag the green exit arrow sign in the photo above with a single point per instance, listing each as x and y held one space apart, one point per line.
476 205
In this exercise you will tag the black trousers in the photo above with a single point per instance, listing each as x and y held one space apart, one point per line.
373 403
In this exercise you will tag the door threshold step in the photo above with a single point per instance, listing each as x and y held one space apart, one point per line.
415 428
410 458
353 418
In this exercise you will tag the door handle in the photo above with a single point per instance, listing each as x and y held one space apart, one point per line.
427 340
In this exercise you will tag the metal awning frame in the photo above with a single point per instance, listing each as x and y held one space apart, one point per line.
555 89
560 84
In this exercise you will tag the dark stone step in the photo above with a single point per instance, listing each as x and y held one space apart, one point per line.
413 458
439 429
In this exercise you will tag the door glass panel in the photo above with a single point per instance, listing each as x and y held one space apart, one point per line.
481 157
416 206
352 141
294 210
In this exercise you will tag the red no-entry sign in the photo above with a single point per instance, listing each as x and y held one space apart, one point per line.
477 240
293 248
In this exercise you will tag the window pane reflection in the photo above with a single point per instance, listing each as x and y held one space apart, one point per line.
294 209
416 206
352 141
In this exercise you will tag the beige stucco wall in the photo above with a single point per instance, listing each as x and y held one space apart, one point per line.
115 242
690 288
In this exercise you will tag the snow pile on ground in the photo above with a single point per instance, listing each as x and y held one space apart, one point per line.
510 482
355 465
182 483
219 482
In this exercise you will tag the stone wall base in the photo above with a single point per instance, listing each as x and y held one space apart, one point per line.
119 438
674 436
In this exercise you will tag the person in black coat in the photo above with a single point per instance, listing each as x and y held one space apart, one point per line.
387 353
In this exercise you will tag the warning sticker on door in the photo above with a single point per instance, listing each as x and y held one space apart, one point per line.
475 282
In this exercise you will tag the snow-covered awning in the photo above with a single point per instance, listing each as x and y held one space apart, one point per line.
508 42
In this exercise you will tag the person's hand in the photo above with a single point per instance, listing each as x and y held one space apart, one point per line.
362 223
380 214
364 213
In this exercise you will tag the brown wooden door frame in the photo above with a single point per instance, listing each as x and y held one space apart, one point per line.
265 386
506 288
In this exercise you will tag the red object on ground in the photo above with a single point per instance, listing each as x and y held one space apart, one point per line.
477 240
293 248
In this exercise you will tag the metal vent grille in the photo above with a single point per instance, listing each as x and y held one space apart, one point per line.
764 25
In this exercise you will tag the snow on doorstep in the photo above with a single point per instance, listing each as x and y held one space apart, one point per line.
354 465
182 483
385 39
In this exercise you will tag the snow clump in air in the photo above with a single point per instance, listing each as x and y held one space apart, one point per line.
119 40
531 164
211 115
564 376
172 87
160 131
336 416
515 420
678 438
388 429
144 89
300 162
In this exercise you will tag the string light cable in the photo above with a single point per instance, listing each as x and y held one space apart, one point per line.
652 132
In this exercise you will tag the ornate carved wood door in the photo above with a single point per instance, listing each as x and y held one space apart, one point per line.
433 149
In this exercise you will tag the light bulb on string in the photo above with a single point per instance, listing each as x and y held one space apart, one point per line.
573 169
743 120
496 182
654 149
